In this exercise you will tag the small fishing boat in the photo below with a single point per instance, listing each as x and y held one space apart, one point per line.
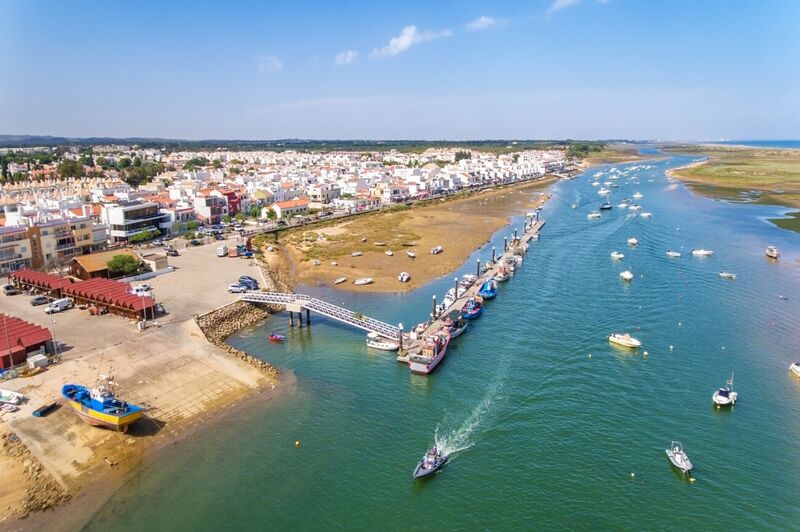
772 252
634 207
637 195
379 244
408 244
364 239
404 277
622 206
671 253
574 206
725 396
625 340
277 337
45 409
632 241
604 191
356 254
100 406
411 254
473 308
30 372
363 281
433 351
334 263
595 183
616 255
795 368
316 262
430 463
437 250
389 252
727 275
702 252
678 457
8 407
10 397
456 324
376 341
605 206
626 276
488 289
340 280
502 274
468 279
593 215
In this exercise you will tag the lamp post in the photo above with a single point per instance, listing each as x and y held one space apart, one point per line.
52 334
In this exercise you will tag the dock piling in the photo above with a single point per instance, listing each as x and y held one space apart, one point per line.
478 270
434 306
505 244
308 317
494 255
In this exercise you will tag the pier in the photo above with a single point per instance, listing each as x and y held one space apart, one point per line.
516 245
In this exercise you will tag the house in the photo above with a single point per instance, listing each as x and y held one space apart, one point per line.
96 264
20 338
287 209
128 218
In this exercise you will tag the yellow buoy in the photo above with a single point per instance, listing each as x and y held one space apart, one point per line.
297 443
691 479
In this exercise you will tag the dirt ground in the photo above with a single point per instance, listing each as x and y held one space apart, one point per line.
458 225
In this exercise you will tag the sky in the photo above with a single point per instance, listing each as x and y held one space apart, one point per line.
455 70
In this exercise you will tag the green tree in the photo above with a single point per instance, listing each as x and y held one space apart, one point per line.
70 168
144 236
271 214
137 162
192 225
254 212
240 216
217 164
227 218
123 265
124 162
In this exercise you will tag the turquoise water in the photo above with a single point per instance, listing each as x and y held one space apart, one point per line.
544 436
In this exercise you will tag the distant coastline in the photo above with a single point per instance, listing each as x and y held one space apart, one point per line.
786 144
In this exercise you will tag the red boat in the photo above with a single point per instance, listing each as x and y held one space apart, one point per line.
276 337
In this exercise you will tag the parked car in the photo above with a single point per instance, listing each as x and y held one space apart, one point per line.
9 290
194 242
39 300
158 242
222 251
58 305
249 282
172 252
236 288
219 236
248 278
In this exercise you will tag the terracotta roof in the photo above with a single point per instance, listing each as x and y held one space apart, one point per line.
95 262
292 203
19 334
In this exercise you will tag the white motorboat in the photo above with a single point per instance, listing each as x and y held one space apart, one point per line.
596 183
632 241
9 397
795 368
389 252
574 205
773 252
637 195
340 280
646 214
616 255
316 262
625 340
355 254
411 254
593 215
437 250
678 457
334 263
626 276
725 396
363 281
8 407
404 277
622 206
702 252
727 275
376 341
634 207
671 253
604 191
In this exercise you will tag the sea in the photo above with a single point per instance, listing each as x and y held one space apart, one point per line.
547 425
790 144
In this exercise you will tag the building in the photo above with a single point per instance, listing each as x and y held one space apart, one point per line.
96 265
210 208
287 209
20 339
128 218
15 249
59 240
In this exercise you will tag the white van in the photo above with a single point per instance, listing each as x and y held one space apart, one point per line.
58 305
222 251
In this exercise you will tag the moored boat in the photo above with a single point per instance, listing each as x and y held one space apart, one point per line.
616 255
376 341
404 277
472 308
625 340
674 254
356 254
363 281
502 274
637 195
8 407
627 275
678 457
795 368
411 254
605 206
593 215
725 396
456 324
433 350
10 397
646 215
632 241
772 252
634 207
702 252
274 337
100 406
436 250
430 463
388 252
340 280
727 275
488 289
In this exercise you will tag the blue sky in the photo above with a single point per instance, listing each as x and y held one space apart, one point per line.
679 69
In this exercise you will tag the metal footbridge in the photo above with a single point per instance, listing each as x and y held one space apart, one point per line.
297 302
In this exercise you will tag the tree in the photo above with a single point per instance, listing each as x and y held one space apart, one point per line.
123 265
227 218
124 162
192 225
217 164
144 236
463 155
254 212
70 169
137 162
240 217
271 214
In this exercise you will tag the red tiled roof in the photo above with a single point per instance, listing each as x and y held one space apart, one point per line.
109 292
39 279
19 335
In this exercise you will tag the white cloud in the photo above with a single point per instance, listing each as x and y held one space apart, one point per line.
269 63
483 23
558 5
347 57
408 38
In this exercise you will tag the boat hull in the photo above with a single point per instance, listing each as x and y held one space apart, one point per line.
424 368
99 419
421 472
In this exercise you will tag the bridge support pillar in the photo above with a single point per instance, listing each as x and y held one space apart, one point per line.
291 318
308 317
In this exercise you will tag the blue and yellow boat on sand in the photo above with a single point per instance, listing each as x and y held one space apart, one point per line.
100 406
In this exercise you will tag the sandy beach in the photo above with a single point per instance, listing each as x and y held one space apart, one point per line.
459 225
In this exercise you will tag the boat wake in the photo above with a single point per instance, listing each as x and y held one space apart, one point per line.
462 438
